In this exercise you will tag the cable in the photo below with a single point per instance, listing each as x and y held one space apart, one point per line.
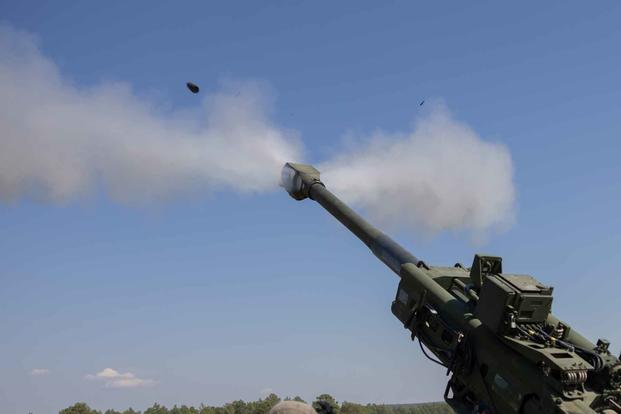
593 357
427 355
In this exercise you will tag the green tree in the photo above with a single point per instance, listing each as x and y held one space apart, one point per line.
184 409
206 409
237 407
264 406
326 398
378 409
156 409
353 408
79 408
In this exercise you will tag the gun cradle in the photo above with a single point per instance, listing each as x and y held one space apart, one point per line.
504 349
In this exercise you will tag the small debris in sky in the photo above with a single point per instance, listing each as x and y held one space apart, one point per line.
192 87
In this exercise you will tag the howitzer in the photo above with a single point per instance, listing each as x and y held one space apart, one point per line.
493 332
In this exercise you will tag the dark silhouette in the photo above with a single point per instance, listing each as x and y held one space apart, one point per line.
192 87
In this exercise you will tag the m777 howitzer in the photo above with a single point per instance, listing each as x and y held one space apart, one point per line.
492 331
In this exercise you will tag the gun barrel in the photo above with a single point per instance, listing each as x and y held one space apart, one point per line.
302 181
386 249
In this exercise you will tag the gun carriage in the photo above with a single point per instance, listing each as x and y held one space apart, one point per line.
492 331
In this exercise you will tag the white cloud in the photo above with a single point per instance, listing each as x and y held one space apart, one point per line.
38 372
112 378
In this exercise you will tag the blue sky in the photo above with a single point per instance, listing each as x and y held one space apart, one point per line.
223 296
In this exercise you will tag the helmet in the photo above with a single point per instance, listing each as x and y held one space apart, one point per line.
292 407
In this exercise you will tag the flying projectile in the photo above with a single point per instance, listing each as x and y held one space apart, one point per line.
192 87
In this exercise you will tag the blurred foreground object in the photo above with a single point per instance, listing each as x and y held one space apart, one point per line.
493 332
292 407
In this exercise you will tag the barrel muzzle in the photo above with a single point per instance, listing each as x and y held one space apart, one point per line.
297 179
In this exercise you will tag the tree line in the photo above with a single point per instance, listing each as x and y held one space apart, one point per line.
323 404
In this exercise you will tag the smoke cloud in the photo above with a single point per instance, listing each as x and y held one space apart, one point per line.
442 176
59 141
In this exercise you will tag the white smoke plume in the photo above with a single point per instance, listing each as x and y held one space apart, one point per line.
441 176
59 141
